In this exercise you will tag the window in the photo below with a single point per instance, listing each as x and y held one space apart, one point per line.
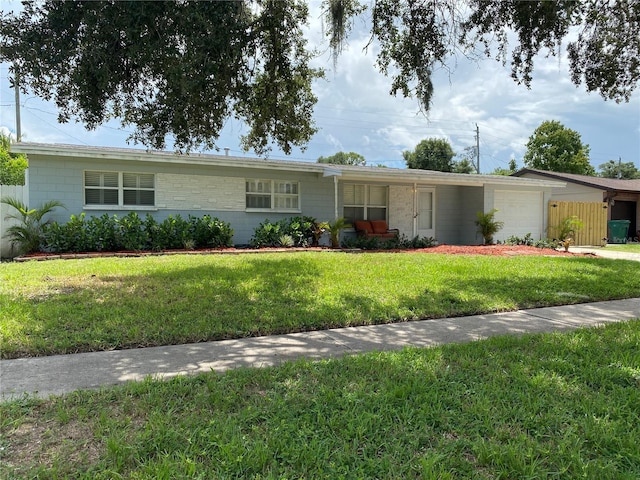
276 195
121 189
365 202
138 189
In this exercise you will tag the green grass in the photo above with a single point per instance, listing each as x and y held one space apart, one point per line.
553 406
99 304
624 247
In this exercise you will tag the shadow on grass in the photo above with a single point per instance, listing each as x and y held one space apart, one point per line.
510 407
263 295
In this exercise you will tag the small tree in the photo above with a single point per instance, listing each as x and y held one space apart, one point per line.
342 158
463 166
488 226
12 166
431 154
466 162
613 169
513 168
555 148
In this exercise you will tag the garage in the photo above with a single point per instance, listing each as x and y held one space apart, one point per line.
521 212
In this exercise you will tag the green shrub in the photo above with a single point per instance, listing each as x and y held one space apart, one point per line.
133 234
302 230
546 243
175 231
110 233
66 237
103 233
527 240
416 242
266 234
207 232
515 240
363 243
401 242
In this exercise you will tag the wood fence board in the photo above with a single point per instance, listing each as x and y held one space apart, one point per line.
592 214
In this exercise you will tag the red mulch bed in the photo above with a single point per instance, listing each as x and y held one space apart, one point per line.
496 250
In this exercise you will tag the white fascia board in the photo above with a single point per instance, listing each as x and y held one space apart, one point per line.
443 178
121 154
347 172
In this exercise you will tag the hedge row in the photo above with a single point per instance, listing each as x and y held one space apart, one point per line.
112 233
132 233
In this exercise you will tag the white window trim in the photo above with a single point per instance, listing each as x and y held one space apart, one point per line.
366 205
273 195
120 205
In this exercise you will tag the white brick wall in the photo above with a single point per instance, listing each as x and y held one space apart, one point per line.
401 209
194 192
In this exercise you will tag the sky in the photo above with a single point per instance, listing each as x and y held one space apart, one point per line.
355 111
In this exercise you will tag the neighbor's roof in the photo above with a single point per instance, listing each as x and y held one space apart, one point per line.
586 180
344 172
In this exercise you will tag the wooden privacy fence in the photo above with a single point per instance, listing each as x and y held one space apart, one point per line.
592 214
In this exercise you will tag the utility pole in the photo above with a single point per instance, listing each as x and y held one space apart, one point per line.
16 85
477 148
619 168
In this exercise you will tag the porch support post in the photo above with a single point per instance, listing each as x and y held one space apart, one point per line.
335 197
335 173
415 210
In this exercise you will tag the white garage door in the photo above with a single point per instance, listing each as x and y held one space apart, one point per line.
521 212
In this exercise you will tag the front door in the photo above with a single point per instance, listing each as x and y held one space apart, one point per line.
425 212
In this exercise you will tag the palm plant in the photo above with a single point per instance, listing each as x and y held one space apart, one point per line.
488 226
567 231
28 234
334 230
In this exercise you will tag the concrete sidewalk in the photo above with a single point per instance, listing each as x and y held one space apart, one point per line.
45 376
604 253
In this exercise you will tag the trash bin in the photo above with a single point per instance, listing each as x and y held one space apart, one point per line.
618 230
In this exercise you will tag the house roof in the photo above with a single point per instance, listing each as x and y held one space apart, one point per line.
609 184
344 172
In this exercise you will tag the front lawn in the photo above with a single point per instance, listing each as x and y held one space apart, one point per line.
553 406
105 303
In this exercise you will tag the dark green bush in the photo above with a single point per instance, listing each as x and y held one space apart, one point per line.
132 233
266 234
103 234
173 232
210 232
67 237
302 231
416 242
110 233
402 242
